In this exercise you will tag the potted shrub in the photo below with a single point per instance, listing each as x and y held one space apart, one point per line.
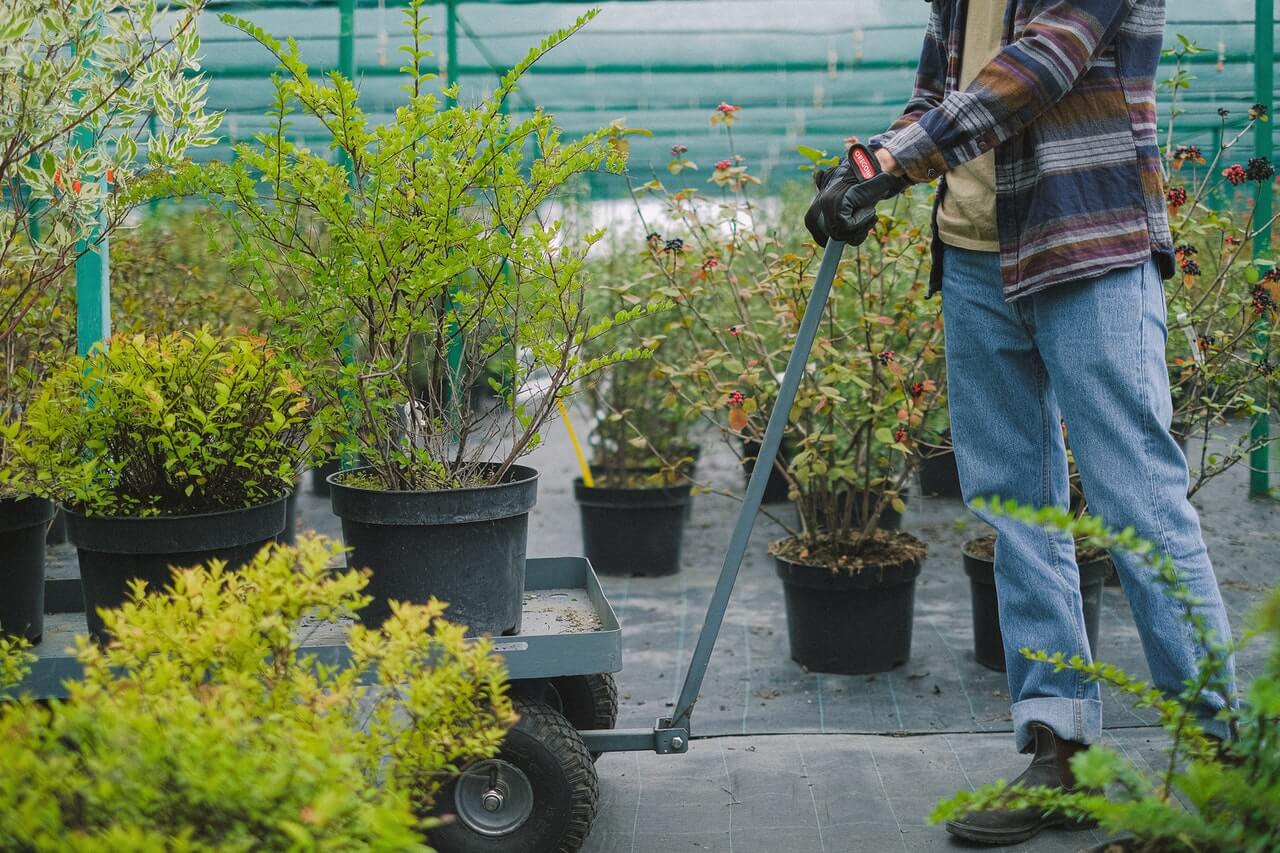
205 721
742 277
1222 302
848 576
397 263
163 451
979 565
70 166
643 455
1208 795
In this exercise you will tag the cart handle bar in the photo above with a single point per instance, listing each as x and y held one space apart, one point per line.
768 453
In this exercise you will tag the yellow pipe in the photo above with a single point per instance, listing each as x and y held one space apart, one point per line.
587 479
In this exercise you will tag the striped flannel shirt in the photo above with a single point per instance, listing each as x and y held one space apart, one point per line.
1069 107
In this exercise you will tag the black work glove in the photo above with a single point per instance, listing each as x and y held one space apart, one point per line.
845 207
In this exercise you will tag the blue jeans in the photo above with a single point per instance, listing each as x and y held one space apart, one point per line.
1092 354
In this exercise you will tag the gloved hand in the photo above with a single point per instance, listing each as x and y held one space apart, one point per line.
845 207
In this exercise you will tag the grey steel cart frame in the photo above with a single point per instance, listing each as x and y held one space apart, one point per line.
671 734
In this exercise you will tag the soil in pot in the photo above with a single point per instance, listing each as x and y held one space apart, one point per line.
113 550
850 613
979 565
463 546
24 523
631 526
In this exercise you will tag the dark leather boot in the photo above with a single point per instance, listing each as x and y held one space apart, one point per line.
1049 769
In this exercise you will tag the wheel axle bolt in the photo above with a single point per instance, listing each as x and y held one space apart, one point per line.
492 801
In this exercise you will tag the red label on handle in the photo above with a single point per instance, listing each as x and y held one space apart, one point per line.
863 163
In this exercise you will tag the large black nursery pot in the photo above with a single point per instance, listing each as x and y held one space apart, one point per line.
24 523
289 535
633 531
849 624
465 547
113 550
988 642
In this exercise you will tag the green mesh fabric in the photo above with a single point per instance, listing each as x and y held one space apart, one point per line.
805 72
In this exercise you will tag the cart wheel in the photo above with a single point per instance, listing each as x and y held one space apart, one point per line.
588 701
537 795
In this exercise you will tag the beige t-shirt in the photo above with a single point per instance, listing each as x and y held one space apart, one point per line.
967 217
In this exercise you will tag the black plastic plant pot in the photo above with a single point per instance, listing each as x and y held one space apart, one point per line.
320 477
633 532
939 476
465 547
113 550
849 624
776 488
289 535
57 534
23 526
988 642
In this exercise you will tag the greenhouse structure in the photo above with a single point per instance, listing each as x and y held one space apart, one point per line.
537 426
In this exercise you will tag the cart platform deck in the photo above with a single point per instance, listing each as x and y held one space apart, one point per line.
568 628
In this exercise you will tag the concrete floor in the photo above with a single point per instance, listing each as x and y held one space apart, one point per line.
788 761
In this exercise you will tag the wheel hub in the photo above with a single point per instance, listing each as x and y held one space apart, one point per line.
493 797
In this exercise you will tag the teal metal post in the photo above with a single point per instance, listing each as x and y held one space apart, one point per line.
451 45
93 273
347 38
347 68
453 357
93 292
1264 86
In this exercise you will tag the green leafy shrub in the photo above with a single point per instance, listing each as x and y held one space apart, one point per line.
407 255
740 276
205 726
1222 303
184 423
79 142
641 431
1231 791
172 271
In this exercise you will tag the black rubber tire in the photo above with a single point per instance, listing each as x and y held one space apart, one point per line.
548 750
588 701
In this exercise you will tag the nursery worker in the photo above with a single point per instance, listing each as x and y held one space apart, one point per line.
1051 239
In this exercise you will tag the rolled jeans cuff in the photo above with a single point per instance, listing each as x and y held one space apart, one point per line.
1078 720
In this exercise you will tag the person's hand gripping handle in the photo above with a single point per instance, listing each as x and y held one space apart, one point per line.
844 208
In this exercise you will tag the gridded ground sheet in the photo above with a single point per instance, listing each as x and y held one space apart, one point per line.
789 761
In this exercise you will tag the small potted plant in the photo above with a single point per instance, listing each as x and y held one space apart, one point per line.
634 510
398 263
1208 794
74 168
163 451
872 378
848 577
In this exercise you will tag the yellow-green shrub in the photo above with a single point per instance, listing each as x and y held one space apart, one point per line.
202 727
